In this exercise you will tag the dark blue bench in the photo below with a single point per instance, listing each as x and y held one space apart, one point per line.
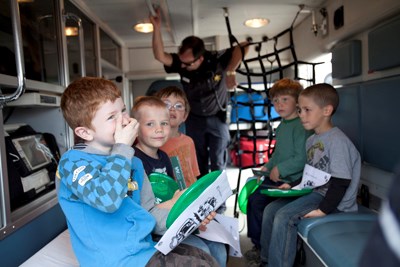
338 239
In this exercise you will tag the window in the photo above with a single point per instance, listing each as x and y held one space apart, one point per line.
110 50
39 41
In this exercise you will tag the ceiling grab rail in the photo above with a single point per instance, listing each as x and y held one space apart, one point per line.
81 39
16 24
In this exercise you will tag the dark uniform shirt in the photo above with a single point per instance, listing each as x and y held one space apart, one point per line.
205 87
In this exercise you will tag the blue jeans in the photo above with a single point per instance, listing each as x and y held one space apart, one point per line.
215 249
279 228
255 207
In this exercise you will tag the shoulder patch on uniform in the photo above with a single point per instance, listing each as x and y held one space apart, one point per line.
77 172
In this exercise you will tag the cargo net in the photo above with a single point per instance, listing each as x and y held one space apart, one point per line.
251 107
253 144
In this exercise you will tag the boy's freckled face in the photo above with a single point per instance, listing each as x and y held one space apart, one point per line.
154 126
177 117
104 123
286 106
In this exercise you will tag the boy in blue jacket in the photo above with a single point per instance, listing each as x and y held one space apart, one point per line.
100 184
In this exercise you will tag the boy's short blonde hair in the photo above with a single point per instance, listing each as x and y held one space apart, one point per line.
83 98
285 86
322 94
141 101
174 91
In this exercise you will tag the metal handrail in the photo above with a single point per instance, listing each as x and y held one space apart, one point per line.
16 24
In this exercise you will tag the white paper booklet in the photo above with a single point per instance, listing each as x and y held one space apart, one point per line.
189 220
224 229
312 177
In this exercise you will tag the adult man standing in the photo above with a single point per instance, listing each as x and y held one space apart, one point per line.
205 76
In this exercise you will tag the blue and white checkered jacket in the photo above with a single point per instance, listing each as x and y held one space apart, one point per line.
107 227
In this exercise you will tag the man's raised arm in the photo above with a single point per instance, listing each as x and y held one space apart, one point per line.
157 42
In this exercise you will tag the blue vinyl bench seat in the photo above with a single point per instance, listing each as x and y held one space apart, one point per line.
338 239
340 243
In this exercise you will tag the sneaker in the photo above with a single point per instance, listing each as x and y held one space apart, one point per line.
253 254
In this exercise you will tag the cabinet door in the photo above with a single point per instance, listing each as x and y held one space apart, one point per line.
75 44
39 40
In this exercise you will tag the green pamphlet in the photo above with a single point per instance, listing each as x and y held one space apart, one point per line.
176 167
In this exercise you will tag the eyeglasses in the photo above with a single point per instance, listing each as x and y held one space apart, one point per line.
188 64
178 106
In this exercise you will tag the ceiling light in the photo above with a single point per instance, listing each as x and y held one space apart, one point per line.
144 27
256 23
71 31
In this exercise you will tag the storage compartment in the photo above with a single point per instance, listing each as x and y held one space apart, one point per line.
383 46
346 60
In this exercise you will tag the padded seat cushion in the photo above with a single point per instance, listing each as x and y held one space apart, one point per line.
306 225
340 243
56 253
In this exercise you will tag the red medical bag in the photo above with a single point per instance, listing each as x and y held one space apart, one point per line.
246 149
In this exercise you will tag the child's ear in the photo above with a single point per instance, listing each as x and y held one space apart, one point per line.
84 133
328 110
185 116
